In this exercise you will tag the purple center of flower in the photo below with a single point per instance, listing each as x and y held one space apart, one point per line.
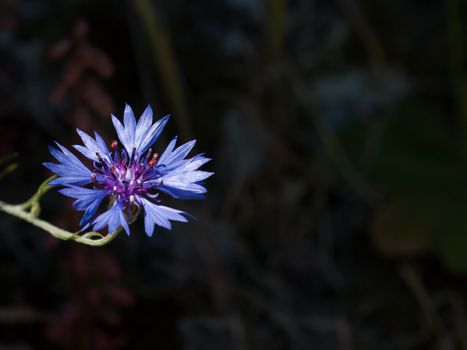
125 176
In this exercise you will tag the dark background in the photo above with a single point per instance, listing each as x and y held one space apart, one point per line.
337 215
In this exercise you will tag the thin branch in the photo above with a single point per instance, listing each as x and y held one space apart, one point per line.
29 211
87 238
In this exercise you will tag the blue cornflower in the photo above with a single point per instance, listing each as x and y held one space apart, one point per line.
131 178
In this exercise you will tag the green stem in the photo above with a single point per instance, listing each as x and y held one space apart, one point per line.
43 189
18 211
29 210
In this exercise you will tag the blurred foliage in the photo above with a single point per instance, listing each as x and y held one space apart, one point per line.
165 61
421 169
83 65
6 166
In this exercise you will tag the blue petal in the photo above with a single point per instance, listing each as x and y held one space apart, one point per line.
180 177
59 156
65 156
70 169
113 218
130 127
143 126
171 158
86 152
122 134
159 215
181 193
92 147
184 187
168 151
69 180
87 200
182 151
67 175
196 162
61 169
101 143
68 156
152 135
138 136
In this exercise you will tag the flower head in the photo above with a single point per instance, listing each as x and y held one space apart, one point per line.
132 177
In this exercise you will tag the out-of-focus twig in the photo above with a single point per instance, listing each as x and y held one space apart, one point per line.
458 315
17 314
285 322
456 59
428 307
275 25
164 59
367 36
334 149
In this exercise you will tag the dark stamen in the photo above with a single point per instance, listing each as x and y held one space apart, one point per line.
124 156
149 154
133 152
100 158
153 160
